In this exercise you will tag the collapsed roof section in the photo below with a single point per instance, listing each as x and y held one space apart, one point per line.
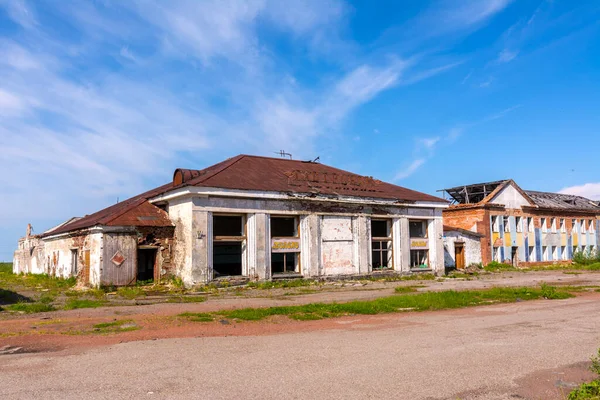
252 173
483 193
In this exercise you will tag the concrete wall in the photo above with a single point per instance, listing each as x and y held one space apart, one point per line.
335 238
472 246
510 197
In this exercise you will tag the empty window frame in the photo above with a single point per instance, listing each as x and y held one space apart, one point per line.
381 243
532 254
554 253
553 225
544 225
563 228
229 240
506 221
74 262
419 258
574 225
285 262
417 229
495 224
530 224
496 255
592 228
563 252
544 253
519 224
583 226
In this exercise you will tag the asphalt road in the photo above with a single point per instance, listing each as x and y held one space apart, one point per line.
521 350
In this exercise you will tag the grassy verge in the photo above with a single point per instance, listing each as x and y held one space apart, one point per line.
589 390
116 326
398 303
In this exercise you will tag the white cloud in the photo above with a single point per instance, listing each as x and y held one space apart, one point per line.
126 53
588 190
11 105
429 143
507 56
411 169
20 12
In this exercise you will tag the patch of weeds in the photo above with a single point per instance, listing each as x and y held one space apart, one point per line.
131 292
462 275
46 299
284 283
73 304
589 390
572 273
125 325
405 289
31 308
147 282
499 267
300 291
197 317
186 299
417 302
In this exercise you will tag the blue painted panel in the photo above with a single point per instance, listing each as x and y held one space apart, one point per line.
502 258
570 247
538 244
526 242
512 223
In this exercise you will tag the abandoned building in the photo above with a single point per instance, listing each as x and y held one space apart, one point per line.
521 227
247 217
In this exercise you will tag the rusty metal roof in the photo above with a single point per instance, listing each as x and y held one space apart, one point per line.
269 174
136 211
255 173
562 201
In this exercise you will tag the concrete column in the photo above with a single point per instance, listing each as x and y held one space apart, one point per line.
404 245
397 247
262 246
310 245
435 232
201 249
363 244
251 244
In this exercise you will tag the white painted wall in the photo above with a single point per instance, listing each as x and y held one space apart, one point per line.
472 247
510 197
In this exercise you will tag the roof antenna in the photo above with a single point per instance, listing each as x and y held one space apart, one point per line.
283 154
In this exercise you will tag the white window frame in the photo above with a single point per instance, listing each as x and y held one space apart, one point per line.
506 220
530 225
553 225
495 224
544 225
519 221
583 228
563 227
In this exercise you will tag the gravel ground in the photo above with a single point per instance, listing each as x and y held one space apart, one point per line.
534 350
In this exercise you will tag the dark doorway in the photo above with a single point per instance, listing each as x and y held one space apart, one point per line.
227 258
514 256
145 264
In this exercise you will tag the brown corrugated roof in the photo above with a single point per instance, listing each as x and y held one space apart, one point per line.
246 172
255 173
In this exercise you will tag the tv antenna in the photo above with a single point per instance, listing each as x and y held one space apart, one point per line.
283 154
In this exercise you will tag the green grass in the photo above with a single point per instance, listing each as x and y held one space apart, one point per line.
406 289
36 281
73 304
131 292
398 303
499 267
186 299
284 283
30 308
197 317
589 390
125 325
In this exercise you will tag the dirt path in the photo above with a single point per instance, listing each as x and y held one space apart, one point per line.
529 350
73 329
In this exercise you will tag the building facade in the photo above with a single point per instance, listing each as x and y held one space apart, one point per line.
249 217
524 227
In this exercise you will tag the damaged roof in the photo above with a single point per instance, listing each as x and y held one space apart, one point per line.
562 201
245 172
481 193
269 174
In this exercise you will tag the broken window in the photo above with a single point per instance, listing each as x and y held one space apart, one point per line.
592 229
285 245
506 221
381 240
545 253
417 229
530 224
229 239
531 253
519 224
583 230
563 229
563 252
419 258
495 224
553 224
544 225
74 262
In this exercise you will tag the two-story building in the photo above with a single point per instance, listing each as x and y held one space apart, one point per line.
523 226
247 217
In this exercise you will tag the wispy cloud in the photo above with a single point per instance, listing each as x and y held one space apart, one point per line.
20 11
410 169
506 56
587 190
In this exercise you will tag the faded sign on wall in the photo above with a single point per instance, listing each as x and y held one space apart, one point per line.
285 245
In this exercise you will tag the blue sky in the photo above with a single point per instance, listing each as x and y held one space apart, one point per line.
101 100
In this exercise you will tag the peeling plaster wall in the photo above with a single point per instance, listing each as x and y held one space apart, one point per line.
472 246
29 258
335 238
